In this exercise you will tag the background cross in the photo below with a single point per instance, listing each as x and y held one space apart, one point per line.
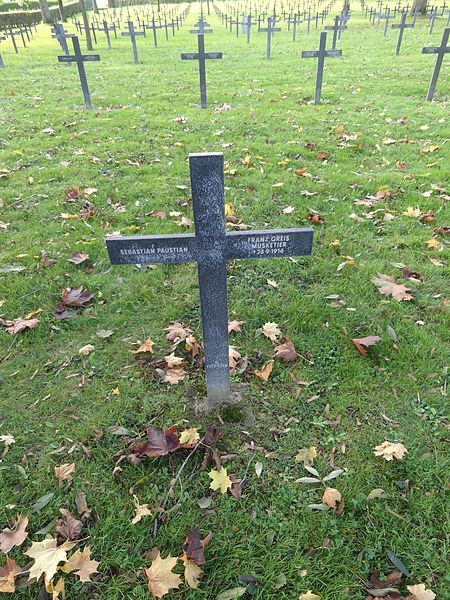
321 54
440 51
211 246
401 27
201 56
132 33
270 30
80 59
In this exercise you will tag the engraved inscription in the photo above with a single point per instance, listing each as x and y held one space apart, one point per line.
269 244
154 250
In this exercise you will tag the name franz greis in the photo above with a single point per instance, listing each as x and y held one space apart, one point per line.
269 244
158 250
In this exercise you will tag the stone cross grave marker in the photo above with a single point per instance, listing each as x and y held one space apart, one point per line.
153 27
202 27
295 20
321 54
62 36
12 34
2 64
80 59
336 28
387 17
104 27
132 34
202 57
247 26
440 51
211 246
432 18
270 30
401 28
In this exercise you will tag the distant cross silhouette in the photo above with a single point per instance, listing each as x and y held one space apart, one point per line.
440 51
401 27
132 34
336 28
80 59
321 54
201 56
270 30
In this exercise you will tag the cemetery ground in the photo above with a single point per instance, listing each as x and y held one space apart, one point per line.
69 177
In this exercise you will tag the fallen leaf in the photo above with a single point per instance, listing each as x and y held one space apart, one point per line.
68 527
315 217
286 351
428 149
233 357
86 350
271 330
331 497
160 577
82 507
220 480
387 286
234 326
174 376
17 325
192 572
55 589
8 576
185 222
81 563
194 546
64 472
16 536
189 437
265 372
177 332
412 212
7 440
78 258
288 210
419 592
309 596
47 555
231 594
78 297
142 510
306 455
159 443
363 343
173 361
146 346
434 244
389 450
272 283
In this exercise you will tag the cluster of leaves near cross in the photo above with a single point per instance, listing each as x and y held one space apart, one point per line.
368 170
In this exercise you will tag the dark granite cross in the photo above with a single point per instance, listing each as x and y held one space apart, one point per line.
321 54
440 51
12 34
132 33
401 27
106 29
211 247
153 27
336 28
80 59
387 17
295 20
432 18
270 30
201 56
62 36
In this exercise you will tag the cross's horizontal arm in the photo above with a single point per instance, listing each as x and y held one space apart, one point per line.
151 249
272 243
196 55
434 50
83 57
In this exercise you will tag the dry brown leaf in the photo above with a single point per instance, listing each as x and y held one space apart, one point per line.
81 563
265 372
177 332
146 346
419 592
64 472
17 325
174 376
331 497
68 527
173 361
8 576
388 287
390 450
160 577
16 536
286 351
363 343
234 326
233 357
86 350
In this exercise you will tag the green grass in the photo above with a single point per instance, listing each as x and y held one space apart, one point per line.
396 393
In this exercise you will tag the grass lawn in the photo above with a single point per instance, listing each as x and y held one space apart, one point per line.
133 148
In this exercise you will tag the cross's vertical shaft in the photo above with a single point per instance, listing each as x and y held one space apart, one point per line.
202 69
320 65
209 215
82 72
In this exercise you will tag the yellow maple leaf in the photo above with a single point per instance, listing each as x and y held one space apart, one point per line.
390 450
142 510
306 455
271 330
189 436
265 372
412 212
309 596
55 589
434 244
220 480
47 555
192 572
160 577
64 472
146 346
173 361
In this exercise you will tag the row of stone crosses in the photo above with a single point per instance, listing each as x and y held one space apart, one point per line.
242 20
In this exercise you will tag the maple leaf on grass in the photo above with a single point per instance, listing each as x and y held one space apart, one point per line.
194 546
419 592
174 376
18 325
68 527
8 576
81 563
309 596
192 572
363 343
78 297
177 332
159 442
388 287
78 258
331 497
144 347
233 357
160 577
234 326
390 450
271 331
64 472
142 510
16 536
55 589
189 437
306 455
286 351
220 480
173 361
47 555
265 372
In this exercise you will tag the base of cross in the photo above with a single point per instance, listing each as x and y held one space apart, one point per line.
236 407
